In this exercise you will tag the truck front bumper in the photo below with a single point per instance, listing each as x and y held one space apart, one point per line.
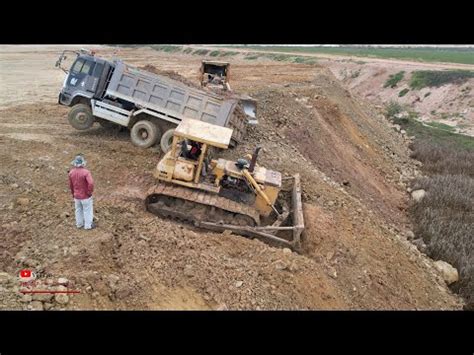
64 99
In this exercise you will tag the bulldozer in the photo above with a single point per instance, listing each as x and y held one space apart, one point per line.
218 194
215 74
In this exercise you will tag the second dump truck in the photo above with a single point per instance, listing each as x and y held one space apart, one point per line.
150 105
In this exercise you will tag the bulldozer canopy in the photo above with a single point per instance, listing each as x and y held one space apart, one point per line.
203 132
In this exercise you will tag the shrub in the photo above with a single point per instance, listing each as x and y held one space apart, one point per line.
431 78
228 53
444 218
392 109
167 48
403 92
252 57
201 51
355 74
428 94
394 79
214 53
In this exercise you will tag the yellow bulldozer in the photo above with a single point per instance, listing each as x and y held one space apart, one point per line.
218 194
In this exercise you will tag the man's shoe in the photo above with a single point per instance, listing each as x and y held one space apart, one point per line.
93 226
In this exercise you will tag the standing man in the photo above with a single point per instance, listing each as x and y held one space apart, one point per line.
82 186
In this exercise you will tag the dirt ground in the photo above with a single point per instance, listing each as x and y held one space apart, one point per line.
353 166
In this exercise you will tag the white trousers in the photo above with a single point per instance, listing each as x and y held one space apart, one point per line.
84 213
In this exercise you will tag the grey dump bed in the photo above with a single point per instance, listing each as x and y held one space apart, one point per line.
173 100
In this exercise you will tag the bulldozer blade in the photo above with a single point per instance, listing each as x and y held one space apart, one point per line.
297 207
267 233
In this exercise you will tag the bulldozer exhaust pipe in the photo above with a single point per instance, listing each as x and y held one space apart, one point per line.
254 159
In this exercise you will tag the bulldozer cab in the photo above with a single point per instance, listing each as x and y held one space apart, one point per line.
186 160
215 74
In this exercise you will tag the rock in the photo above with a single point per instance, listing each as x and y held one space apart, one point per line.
410 235
113 279
287 251
280 265
227 232
26 298
188 271
36 306
47 306
448 272
420 244
293 267
418 195
123 292
403 132
239 284
63 281
15 186
144 237
22 201
332 272
61 298
43 297
4 277
65 215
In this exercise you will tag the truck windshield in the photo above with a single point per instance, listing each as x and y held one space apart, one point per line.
83 66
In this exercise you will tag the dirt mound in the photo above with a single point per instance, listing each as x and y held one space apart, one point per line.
171 74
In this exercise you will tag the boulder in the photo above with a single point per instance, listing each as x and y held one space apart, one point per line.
410 235
61 298
420 244
448 272
280 265
418 195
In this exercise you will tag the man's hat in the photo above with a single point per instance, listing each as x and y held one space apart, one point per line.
79 161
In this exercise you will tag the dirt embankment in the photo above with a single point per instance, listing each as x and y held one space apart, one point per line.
451 104
355 255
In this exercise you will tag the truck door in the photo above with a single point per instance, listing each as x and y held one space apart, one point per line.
80 78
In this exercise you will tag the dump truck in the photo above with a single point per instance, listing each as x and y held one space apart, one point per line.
218 194
150 105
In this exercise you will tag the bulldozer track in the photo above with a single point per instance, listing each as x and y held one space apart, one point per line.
195 206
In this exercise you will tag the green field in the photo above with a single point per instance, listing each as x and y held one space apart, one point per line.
448 55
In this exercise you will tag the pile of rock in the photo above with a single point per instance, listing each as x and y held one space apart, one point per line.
38 301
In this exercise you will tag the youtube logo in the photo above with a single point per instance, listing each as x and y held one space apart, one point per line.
25 274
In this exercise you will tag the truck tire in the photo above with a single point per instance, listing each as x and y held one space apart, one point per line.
80 117
166 140
144 134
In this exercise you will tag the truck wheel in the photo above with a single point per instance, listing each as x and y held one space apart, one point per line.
80 117
144 134
166 140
